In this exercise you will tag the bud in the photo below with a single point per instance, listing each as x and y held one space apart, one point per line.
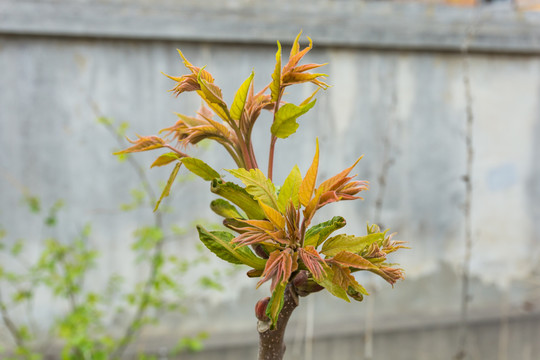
354 294
304 284
260 309
260 250
254 273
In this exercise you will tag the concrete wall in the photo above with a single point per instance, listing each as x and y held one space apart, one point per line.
400 100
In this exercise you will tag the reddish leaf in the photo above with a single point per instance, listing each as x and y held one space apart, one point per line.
331 183
143 143
313 261
349 259
279 267
295 46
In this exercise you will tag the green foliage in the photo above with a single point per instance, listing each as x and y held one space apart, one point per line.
62 269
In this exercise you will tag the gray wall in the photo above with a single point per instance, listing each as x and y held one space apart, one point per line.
398 97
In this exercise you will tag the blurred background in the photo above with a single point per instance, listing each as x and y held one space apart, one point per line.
442 97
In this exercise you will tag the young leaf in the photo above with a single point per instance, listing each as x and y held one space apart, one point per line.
289 190
210 90
223 113
295 46
167 188
328 283
308 184
274 216
317 234
165 159
238 196
143 143
225 209
219 242
285 120
237 107
258 185
308 100
200 168
313 261
350 243
349 259
345 280
279 267
276 303
338 179
275 85
212 95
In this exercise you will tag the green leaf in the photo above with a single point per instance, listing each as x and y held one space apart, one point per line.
285 120
167 188
258 185
200 168
237 107
289 190
317 234
213 97
328 283
219 242
225 209
350 243
210 90
238 196
276 303
275 85
165 159
17 248
306 101
33 202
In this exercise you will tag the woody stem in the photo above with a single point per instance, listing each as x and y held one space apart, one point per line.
271 345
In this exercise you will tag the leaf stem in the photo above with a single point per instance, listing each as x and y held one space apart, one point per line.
176 150
273 140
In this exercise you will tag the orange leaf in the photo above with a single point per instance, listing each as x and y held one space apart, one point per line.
349 259
297 78
260 224
293 60
307 67
308 183
143 143
274 216
329 185
295 47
